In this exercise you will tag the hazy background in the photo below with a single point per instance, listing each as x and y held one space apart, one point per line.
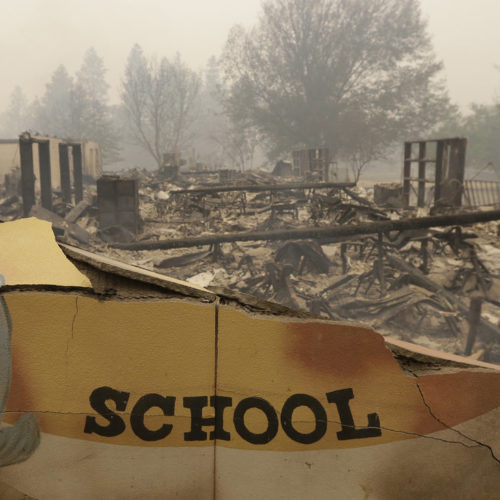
38 35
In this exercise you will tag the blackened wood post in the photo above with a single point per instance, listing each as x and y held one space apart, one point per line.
421 174
407 175
27 173
474 322
65 175
439 172
456 171
78 172
380 245
343 256
45 174
425 255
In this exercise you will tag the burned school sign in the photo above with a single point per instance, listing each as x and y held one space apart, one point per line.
142 395
116 424
180 374
156 374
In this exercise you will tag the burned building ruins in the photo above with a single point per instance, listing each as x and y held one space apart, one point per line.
417 261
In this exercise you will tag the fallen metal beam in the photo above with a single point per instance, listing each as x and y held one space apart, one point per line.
198 172
345 231
257 188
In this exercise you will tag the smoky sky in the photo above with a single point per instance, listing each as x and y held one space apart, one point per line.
38 35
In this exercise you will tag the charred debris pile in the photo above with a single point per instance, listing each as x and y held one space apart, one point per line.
418 261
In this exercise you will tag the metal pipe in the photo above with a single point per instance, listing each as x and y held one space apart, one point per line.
345 231
256 188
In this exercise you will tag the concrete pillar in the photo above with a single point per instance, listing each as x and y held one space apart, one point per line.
45 174
78 172
65 174
421 174
118 203
27 173
407 174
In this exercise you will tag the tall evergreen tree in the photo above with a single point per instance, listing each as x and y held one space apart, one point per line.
78 108
55 111
91 115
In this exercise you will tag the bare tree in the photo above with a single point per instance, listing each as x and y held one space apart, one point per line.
237 141
159 99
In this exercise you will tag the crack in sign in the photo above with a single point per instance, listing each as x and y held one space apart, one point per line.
446 426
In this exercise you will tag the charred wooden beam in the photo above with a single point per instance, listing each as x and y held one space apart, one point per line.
27 173
65 173
421 174
45 174
474 322
256 188
77 172
407 175
340 232
356 197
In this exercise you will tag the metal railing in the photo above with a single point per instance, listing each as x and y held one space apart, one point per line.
478 193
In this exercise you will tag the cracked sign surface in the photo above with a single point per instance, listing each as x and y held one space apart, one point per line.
127 389
438 435
100 377
163 398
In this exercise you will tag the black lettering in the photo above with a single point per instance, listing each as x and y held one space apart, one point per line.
98 400
220 403
319 412
341 399
242 429
166 404
196 405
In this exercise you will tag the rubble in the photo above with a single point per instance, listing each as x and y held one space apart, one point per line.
323 248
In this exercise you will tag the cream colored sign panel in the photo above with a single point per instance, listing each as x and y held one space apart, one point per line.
150 400
111 384
325 411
